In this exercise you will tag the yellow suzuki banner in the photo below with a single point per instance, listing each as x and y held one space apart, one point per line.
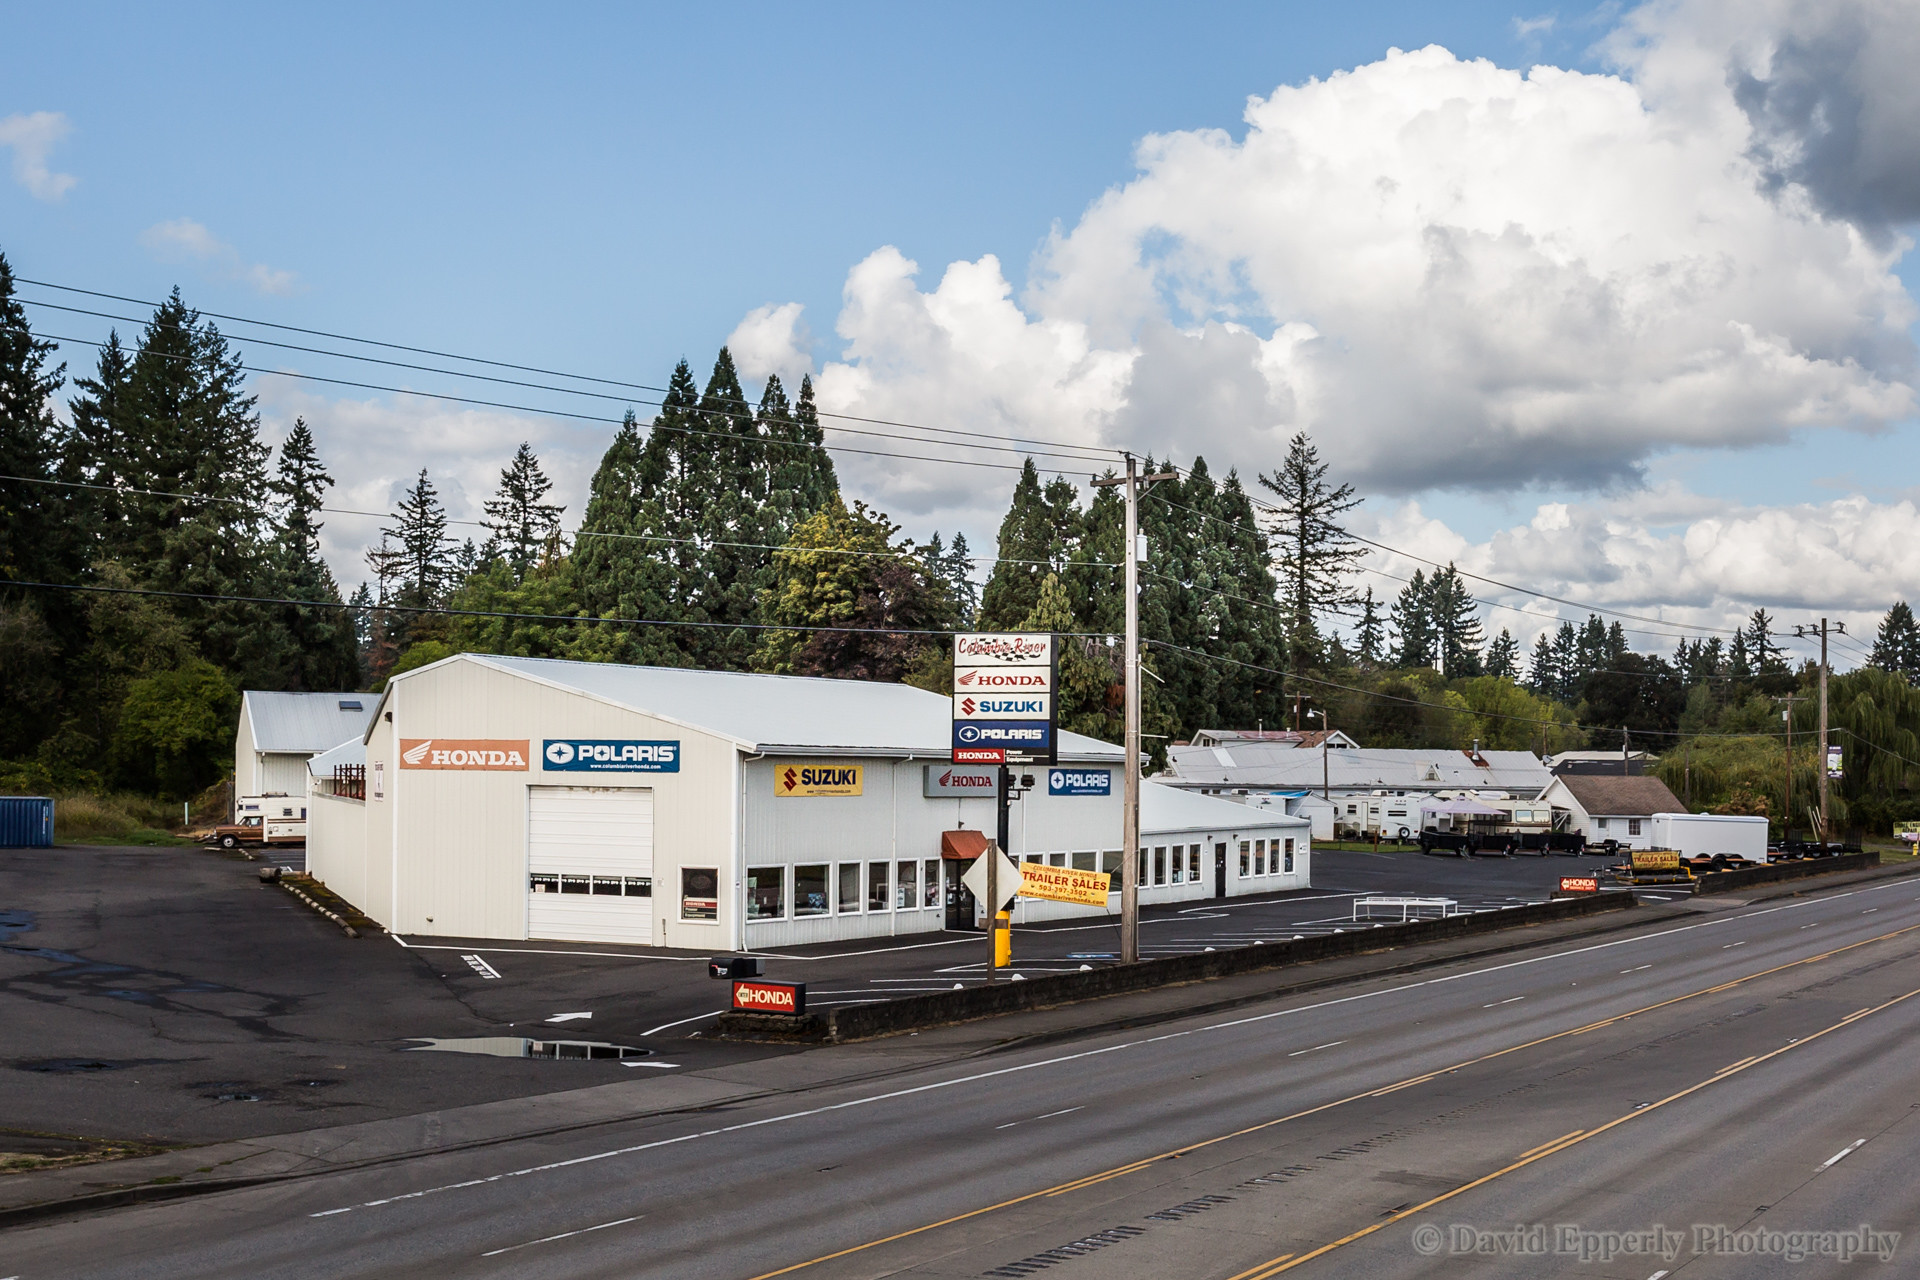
817 780
1063 884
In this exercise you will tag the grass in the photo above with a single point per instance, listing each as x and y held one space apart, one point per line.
123 819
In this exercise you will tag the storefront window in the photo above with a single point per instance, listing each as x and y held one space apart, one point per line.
766 893
930 883
699 893
904 889
1289 866
1178 873
1193 862
1086 861
1246 857
810 890
1110 863
1259 857
876 886
849 887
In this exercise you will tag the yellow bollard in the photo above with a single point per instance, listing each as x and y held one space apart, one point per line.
1003 939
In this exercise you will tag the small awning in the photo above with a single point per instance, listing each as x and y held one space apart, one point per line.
1472 807
963 846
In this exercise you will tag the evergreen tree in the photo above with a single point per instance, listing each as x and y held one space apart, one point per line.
29 443
620 572
1543 676
322 650
93 457
952 568
1416 637
1897 646
1455 617
416 560
1503 657
1313 550
801 479
1767 657
1037 537
1739 661
521 524
1369 639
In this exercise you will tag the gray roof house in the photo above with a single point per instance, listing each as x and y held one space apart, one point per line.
280 732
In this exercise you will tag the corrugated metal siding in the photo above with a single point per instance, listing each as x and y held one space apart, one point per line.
303 723
282 774
463 836
26 822
246 765
380 823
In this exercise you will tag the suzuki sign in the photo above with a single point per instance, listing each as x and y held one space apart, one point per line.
1001 706
943 780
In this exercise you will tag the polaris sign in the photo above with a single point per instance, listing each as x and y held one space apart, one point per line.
1032 737
1080 782
609 755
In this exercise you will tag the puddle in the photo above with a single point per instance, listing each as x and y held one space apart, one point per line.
524 1047
13 922
70 1066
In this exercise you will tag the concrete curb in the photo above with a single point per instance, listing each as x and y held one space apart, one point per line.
346 928
894 1017
1732 881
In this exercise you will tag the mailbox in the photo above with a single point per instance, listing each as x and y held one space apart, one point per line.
733 967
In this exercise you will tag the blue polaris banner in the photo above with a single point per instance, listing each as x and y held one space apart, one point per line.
610 755
1080 782
1014 735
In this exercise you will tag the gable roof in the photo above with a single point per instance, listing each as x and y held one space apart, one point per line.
1164 808
770 714
304 723
1636 797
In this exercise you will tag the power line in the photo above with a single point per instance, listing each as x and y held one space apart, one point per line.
574 534
1099 453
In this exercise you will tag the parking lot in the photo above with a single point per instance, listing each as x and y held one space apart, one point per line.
169 995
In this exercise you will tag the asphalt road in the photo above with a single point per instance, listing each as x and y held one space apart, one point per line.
1747 1071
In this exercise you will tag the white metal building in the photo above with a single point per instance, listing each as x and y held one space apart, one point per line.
279 732
529 798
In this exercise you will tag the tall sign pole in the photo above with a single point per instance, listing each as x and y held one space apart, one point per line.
1135 484
1826 767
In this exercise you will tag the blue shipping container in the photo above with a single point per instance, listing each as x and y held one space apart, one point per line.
26 822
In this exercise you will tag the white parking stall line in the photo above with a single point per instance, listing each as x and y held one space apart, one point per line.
1317 1048
481 967
667 1026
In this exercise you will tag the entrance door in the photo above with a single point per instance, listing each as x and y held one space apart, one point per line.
1219 870
590 864
960 904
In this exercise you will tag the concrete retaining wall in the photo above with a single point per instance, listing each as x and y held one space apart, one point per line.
892 1017
1726 881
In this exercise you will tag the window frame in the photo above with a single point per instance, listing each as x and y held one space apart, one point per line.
779 870
826 890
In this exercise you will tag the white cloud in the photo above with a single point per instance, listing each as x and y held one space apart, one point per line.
1706 563
1524 28
773 340
1452 274
183 239
33 137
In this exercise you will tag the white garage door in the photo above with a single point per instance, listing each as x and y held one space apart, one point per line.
590 864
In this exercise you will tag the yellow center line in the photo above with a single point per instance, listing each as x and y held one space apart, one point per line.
1284 1265
1733 1065
1556 1142
1090 1179
1262 1271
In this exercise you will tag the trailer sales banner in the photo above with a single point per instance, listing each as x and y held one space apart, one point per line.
1656 860
1064 884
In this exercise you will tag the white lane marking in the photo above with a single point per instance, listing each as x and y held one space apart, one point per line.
658 1065
1656 1275
1731 945
1497 1003
1842 1154
1077 1057
1637 968
826 1109
1869 911
617 1222
569 1017
684 1021
1317 1048
1050 1115
1814 925
481 967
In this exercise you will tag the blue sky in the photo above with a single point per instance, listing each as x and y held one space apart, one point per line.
606 189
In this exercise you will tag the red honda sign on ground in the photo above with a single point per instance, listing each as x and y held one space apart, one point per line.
1579 884
979 755
770 997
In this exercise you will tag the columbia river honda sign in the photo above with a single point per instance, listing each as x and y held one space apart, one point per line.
1003 706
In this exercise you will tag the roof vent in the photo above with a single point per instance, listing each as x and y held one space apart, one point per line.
350 704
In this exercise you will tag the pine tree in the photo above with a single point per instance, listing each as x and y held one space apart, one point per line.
1456 621
630 558
1503 656
1369 640
952 568
322 649
29 443
1897 646
417 558
1767 657
1413 625
1028 541
520 523
1543 676
801 476
1313 550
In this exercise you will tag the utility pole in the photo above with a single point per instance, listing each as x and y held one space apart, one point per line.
1135 484
1786 716
1820 756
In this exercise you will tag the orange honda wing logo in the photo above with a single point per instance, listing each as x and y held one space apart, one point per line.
494 754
